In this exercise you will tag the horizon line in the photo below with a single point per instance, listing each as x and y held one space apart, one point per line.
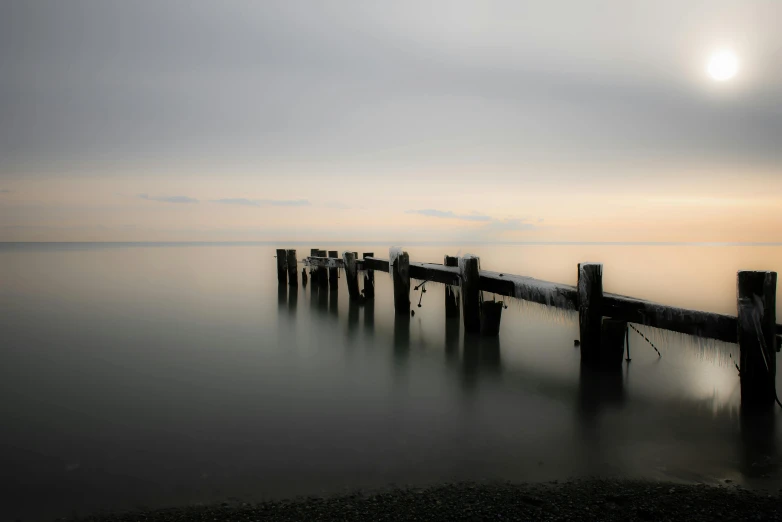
395 243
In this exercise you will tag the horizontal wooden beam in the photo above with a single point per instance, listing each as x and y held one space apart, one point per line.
529 289
447 275
692 322
326 262
373 263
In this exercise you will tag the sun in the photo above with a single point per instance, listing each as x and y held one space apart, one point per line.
723 65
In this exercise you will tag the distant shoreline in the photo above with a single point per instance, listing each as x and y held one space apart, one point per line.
406 243
589 499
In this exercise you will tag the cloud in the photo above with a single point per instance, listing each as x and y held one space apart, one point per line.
263 202
447 214
503 225
168 199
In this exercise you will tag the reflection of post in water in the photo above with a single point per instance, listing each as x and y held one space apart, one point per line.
333 302
313 294
758 444
598 387
452 339
293 297
282 295
353 308
481 356
490 359
369 315
401 338
323 291
471 360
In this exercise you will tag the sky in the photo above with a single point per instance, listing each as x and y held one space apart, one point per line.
389 121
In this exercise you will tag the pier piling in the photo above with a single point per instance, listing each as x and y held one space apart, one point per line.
401 275
757 338
451 291
293 278
590 309
471 293
369 279
282 267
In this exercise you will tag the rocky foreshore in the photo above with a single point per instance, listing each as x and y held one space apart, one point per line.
603 500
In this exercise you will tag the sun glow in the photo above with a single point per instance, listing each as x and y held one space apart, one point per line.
723 65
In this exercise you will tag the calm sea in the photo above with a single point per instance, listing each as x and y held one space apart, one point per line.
149 375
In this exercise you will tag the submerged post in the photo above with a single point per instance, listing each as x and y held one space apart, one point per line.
369 280
400 271
333 277
293 278
469 268
590 309
351 275
757 314
323 274
491 313
451 292
282 267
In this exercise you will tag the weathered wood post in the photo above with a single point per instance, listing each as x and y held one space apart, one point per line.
293 276
314 271
351 275
333 277
401 273
612 342
323 274
304 276
757 313
282 267
451 292
590 309
369 280
469 269
491 313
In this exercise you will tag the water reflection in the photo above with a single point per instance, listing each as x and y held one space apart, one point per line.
452 325
293 298
333 301
481 355
598 388
401 339
369 316
282 295
758 453
353 312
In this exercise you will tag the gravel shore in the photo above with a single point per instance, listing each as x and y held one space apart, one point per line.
602 500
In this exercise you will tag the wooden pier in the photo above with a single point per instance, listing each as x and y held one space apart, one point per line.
603 317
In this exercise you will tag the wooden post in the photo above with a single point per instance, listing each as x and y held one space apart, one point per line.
590 309
304 276
282 267
323 274
314 271
351 275
293 276
757 314
401 274
612 342
491 313
451 292
471 293
369 280
333 281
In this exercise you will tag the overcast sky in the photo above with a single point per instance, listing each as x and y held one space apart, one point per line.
403 120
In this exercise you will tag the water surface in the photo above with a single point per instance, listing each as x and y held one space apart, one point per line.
154 375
